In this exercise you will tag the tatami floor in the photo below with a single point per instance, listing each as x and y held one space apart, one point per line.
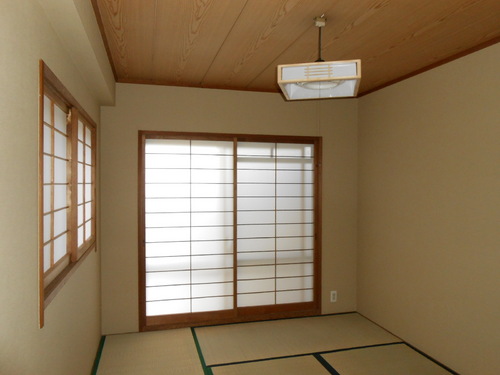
343 344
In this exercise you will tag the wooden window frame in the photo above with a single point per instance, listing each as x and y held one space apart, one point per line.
53 88
237 314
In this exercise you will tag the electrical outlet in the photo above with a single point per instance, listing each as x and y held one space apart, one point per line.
333 296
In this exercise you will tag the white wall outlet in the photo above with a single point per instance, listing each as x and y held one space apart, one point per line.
333 296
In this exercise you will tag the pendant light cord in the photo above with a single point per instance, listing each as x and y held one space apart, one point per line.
320 59
320 22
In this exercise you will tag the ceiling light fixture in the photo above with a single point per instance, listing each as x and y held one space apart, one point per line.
320 79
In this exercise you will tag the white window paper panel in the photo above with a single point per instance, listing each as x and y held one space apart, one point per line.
60 222
255 272
47 139
167 146
211 176
257 258
212 304
294 296
167 190
211 233
295 164
170 292
167 176
295 190
294 243
88 229
47 193
171 161
80 216
211 147
60 247
167 249
211 204
283 217
80 236
253 231
256 217
256 204
60 196
212 162
168 205
46 257
167 234
212 276
255 286
294 283
212 247
80 194
167 278
294 230
292 256
47 113
47 225
88 192
168 307
80 156
88 155
88 211
256 244
167 264
249 162
291 177
252 190
288 270
299 203
211 218
88 136
257 176
81 130
294 150
47 169
212 190
212 290
264 149
88 174
60 119
79 174
60 145
159 220
211 261
257 299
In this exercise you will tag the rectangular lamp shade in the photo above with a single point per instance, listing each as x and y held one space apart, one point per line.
320 80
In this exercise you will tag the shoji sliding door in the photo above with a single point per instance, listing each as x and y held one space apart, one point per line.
229 227
275 242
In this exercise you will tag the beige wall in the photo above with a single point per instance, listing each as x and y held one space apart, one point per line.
68 342
140 107
429 211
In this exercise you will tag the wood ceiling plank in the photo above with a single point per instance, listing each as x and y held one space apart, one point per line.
342 17
395 38
238 44
263 31
129 32
188 36
435 35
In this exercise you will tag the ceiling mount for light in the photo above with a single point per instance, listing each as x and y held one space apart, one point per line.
320 79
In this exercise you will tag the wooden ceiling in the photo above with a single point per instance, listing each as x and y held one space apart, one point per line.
237 44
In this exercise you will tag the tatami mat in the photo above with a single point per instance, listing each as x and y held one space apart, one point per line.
383 360
307 365
260 340
170 352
